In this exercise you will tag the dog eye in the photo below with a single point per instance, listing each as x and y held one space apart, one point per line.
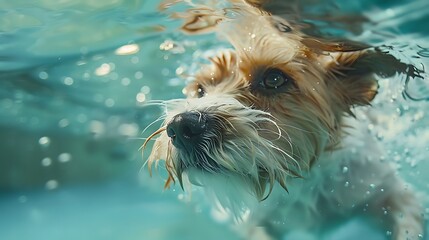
200 91
273 79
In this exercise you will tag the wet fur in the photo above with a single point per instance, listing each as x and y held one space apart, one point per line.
299 140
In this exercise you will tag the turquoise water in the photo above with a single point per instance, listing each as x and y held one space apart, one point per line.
74 80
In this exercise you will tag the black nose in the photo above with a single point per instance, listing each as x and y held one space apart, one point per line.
186 129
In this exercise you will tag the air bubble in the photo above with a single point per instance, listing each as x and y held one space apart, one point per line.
64 157
345 169
140 97
127 49
46 162
43 75
44 141
165 72
180 196
135 60
109 102
125 81
68 81
180 70
380 136
82 118
51 184
171 46
145 90
138 75
63 123
103 69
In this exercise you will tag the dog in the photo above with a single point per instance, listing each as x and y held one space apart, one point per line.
275 129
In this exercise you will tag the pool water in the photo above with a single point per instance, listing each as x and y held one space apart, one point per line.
75 80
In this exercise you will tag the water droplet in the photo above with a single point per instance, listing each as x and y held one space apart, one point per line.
388 233
127 49
51 184
103 70
138 75
346 184
82 118
171 46
135 60
145 90
68 81
125 81
109 102
180 70
372 185
166 45
180 196
46 162
165 72
64 157
345 169
380 136
43 75
63 123
44 141
141 97
86 76
421 235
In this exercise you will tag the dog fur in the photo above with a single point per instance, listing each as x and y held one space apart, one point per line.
293 155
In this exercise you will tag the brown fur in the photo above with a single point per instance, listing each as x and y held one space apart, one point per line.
293 126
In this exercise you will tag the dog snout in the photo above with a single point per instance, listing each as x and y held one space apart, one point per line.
186 129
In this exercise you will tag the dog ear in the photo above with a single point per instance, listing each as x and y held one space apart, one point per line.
199 20
353 69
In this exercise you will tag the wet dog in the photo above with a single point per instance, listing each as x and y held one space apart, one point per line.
275 127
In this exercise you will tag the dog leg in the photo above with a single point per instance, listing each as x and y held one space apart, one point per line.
406 215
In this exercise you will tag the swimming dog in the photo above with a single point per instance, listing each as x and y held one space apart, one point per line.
277 126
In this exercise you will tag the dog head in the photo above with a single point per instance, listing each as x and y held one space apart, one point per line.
263 111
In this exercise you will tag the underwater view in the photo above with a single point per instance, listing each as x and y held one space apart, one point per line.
84 84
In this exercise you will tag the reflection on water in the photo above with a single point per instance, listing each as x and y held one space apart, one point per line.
75 80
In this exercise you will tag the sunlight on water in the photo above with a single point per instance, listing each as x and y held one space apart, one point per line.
77 84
